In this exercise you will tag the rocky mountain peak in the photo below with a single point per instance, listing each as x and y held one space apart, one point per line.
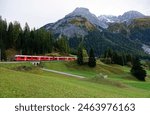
126 17
131 15
81 10
84 12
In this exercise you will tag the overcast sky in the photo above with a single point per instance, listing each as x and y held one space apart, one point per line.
40 12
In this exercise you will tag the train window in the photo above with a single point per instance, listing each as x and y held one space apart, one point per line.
51 58
28 57
69 58
35 58
62 58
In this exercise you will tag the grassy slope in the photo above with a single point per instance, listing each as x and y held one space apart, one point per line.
114 72
32 82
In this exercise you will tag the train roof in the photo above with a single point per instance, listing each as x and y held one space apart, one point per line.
41 56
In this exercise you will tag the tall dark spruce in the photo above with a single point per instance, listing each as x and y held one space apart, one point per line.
80 56
137 70
92 60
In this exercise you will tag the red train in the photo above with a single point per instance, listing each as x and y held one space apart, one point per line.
42 58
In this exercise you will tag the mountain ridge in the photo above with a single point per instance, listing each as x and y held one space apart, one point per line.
126 17
82 25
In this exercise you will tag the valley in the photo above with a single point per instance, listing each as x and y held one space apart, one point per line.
106 48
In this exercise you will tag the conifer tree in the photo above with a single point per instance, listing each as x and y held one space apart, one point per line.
137 70
92 60
80 56
10 36
63 45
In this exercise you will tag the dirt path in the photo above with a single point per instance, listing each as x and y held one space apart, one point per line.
49 70
63 73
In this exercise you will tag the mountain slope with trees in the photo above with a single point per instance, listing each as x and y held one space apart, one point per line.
78 27
16 40
81 26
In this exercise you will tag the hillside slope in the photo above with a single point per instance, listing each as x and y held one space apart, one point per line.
138 30
24 80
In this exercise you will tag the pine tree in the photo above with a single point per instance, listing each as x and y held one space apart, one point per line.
10 35
80 57
137 70
16 33
26 39
92 60
63 45
2 51
109 53
3 38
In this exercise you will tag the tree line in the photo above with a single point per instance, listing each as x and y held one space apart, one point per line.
123 59
113 57
28 41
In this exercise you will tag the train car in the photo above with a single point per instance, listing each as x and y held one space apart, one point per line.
42 58
20 58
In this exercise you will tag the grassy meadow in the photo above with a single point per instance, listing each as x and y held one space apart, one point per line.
26 80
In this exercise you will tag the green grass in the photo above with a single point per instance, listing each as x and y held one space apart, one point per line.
24 80
70 68
84 70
